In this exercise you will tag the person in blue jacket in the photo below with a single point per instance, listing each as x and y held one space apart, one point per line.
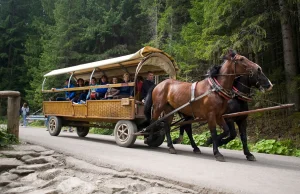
102 91
68 95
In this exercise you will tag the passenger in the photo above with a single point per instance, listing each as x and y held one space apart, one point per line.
81 94
92 92
147 84
68 95
138 87
102 91
112 92
126 91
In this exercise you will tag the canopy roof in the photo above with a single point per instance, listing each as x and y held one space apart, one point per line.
151 59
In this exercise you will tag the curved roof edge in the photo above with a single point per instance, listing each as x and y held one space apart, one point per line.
118 62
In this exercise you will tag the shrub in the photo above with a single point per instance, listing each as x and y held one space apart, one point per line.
6 138
271 146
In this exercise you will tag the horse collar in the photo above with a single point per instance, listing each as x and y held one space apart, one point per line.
227 94
242 96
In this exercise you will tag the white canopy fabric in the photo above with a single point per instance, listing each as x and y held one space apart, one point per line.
151 59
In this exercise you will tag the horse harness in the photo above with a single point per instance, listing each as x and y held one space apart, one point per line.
242 96
227 94
216 87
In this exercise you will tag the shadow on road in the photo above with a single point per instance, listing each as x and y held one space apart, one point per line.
231 156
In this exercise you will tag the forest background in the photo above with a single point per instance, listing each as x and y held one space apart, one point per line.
37 36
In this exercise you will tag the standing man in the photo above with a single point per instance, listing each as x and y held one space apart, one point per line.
147 84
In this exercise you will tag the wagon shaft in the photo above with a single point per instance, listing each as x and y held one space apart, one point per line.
258 110
239 113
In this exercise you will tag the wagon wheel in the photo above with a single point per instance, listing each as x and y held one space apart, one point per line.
123 132
82 131
54 125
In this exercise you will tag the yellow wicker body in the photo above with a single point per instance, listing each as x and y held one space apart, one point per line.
93 109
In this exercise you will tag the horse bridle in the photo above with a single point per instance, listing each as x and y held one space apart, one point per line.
229 94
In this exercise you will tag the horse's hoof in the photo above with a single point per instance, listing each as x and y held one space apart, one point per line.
251 158
176 141
220 158
172 151
197 151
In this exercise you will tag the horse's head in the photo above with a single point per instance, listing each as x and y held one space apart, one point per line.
260 81
243 66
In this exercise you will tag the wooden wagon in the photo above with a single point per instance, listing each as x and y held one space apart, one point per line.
126 113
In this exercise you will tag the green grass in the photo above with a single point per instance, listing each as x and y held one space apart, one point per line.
7 139
268 146
101 131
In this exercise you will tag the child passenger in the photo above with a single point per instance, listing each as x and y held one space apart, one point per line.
112 92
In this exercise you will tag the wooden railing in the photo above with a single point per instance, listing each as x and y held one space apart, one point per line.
13 107
88 87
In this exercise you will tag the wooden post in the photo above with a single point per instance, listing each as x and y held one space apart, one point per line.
13 107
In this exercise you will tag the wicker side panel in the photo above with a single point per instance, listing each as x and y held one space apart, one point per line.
80 110
110 109
58 108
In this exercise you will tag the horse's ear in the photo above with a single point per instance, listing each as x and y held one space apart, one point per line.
230 55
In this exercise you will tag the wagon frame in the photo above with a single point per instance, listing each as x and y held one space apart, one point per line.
127 113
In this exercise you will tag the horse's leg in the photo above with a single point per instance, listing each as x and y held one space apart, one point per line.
213 132
232 133
243 133
165 124
221 122
226 130
188 130
180 138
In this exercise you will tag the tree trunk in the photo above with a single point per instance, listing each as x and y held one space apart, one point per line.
290 62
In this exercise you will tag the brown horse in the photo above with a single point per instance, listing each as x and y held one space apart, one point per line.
171 94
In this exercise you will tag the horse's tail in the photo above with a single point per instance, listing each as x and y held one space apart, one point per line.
148 104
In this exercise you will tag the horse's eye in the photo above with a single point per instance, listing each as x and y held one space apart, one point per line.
259 70
242 59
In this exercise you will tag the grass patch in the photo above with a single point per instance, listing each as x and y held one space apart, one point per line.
101 131
37 123
268 146
7 139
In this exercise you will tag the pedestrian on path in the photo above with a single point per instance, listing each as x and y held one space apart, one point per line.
25 113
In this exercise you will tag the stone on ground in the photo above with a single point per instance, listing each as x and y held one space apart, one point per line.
9 163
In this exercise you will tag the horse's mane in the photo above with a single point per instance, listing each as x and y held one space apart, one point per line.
214 71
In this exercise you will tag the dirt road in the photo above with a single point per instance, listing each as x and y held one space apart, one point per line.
269 174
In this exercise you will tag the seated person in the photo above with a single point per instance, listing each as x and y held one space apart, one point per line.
68 95
101 91
92 95
112 92
81 94
126 91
